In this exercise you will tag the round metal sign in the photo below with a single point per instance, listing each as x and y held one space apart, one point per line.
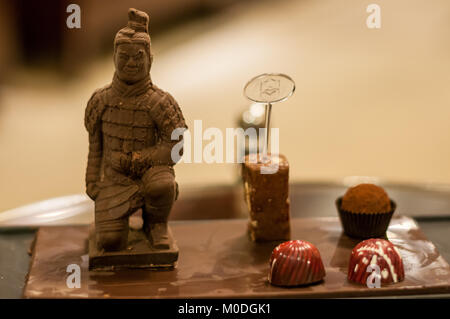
269 88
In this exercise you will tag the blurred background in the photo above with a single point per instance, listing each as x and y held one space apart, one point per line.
369 102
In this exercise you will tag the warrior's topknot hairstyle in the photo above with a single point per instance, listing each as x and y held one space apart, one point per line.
136 31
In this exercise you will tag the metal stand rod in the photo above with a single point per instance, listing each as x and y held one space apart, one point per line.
266 148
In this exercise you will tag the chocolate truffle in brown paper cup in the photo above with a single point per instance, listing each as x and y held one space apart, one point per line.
365 211
364 225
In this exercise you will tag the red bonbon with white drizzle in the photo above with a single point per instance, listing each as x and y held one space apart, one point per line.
295 262
378 252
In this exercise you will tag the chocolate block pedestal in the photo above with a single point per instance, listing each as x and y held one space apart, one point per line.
266 191
139 254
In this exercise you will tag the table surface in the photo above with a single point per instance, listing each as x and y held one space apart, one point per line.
308 200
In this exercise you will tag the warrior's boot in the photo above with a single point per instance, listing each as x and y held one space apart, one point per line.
156 231
155 223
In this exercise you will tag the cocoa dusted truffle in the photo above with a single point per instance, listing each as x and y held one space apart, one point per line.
381 253
365 211
294 263
366 198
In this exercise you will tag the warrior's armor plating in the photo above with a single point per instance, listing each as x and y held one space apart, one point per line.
129 162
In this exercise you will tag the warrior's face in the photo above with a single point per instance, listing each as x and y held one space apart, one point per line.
132 62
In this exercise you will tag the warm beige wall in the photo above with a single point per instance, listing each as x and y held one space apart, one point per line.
368 102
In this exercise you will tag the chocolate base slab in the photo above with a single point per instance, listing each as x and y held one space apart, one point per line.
139 254
217 260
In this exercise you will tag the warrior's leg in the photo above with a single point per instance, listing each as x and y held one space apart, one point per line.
112 235
160 191
113 207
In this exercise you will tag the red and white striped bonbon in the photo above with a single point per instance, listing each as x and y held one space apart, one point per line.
295 262
381 253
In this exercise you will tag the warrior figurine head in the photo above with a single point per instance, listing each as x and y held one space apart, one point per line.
132 54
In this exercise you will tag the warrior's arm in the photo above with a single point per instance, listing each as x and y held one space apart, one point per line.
94 164
168 117
92 123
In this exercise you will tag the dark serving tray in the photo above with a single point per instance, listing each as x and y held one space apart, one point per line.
217 260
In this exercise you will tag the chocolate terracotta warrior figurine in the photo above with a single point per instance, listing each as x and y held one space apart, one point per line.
130 123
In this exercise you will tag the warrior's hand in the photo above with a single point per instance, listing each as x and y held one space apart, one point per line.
139 163
159 154
120 162
136 158
92 190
